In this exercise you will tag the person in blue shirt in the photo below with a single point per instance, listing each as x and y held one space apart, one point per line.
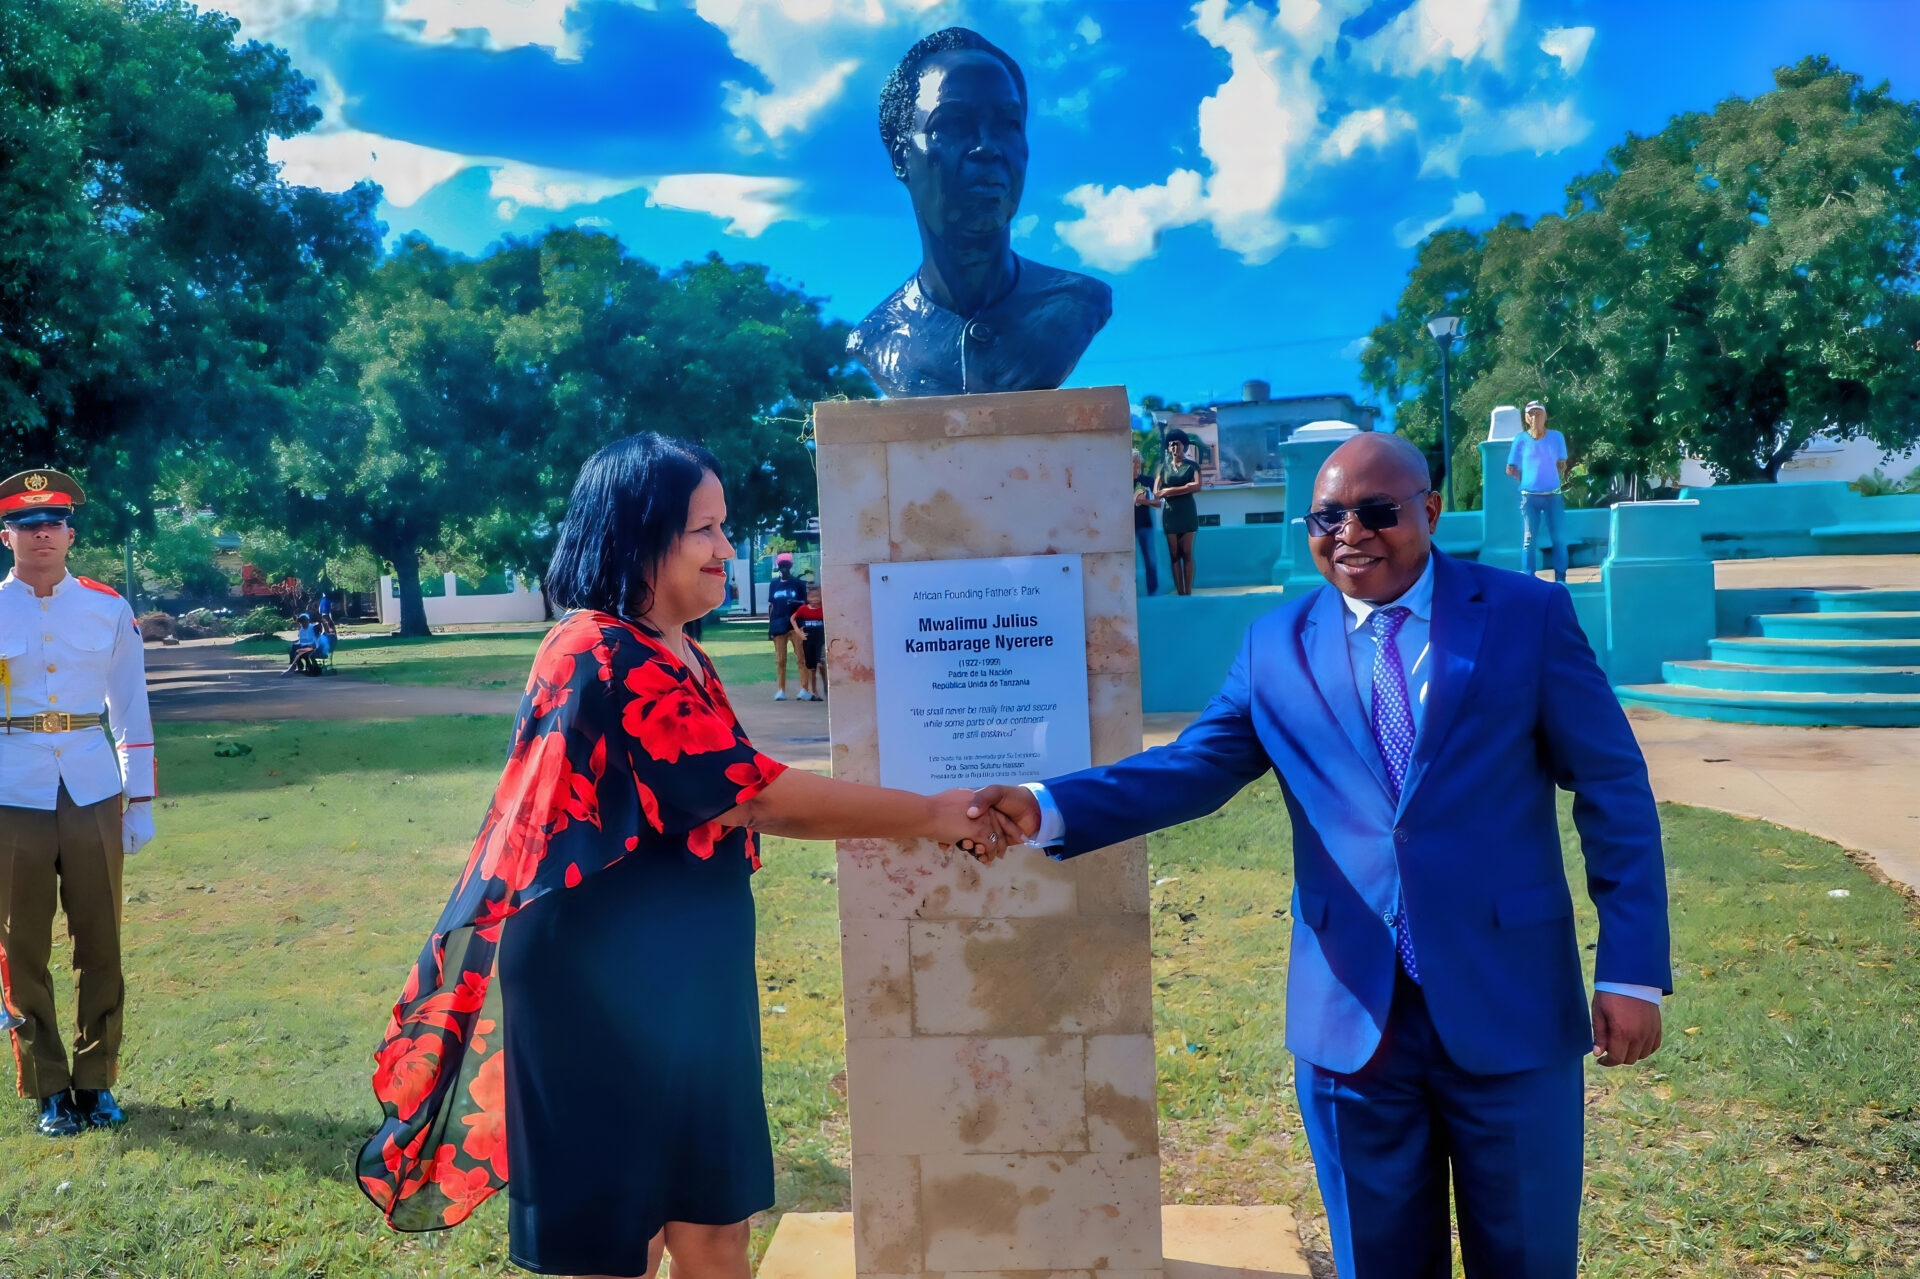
1539 461
306 642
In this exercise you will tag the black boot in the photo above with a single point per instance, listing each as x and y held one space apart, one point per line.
97 1109
58 1118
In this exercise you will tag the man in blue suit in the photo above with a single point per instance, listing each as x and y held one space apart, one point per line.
1420 713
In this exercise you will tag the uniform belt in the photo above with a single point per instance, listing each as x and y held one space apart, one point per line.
50 722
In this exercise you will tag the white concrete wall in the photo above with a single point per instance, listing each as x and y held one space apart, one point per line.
519 605
1822 459
1232 502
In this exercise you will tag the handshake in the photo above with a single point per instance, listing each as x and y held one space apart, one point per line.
985 823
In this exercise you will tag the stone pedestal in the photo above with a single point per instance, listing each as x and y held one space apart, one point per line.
1302 460
1000 1066
1201 1243
1659 590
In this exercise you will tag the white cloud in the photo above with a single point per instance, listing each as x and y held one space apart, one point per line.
1539 127
1370 127
1088 30
1431 33
1568 44
406 172
1025 225
487 24
776 113
806 49
749 205
1122 227
516 184
335 161
1251 128
1071 107
1356 348
266 19
1410 231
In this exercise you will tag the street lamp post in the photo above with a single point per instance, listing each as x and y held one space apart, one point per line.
1446 328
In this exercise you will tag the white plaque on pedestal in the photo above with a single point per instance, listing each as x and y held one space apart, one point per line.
980 671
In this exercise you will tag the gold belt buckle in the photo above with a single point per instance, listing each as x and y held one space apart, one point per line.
53 722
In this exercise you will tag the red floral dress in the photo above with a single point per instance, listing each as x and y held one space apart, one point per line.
618 753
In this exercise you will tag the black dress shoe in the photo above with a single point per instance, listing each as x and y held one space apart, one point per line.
58 1118
96 1108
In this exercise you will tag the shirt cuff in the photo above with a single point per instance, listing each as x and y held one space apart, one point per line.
1649 993
1053 827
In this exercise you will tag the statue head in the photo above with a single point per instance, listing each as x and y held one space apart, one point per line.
953 117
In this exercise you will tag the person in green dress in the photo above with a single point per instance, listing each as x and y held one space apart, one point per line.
1179 480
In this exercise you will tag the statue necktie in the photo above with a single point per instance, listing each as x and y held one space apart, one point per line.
1393 734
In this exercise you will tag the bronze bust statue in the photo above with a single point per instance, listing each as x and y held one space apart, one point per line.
976 316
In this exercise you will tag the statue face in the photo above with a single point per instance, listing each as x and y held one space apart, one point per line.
966 161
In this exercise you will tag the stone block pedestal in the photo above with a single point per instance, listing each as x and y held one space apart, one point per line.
1201 1243
1000 1068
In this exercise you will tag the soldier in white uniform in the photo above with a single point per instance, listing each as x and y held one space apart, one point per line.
72 805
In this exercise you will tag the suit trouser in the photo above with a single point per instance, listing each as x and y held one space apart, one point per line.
1387 1137
71 855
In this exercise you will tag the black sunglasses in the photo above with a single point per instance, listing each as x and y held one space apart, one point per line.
1375 516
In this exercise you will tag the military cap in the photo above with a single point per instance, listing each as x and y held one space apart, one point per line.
36 497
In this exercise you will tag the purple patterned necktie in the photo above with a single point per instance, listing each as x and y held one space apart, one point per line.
1393 734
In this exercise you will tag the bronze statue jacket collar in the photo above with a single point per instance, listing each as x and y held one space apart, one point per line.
1028 340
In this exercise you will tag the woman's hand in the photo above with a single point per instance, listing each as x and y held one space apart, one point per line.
949 823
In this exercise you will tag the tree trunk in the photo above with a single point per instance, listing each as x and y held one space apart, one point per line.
1783 453
413 606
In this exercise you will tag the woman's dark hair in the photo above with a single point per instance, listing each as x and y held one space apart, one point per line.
628 508
1178 436
897 97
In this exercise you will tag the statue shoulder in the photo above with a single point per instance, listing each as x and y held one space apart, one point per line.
1090 300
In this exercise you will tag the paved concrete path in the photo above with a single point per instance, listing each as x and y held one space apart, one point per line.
205 680
208 680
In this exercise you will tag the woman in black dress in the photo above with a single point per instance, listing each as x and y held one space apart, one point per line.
585 1012
1179 481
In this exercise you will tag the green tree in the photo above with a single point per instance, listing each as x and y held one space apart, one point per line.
464 394
1725 289
1402 361
161 287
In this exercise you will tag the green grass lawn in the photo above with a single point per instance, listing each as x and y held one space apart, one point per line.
270 926
497 660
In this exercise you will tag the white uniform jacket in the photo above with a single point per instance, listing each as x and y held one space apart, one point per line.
77 650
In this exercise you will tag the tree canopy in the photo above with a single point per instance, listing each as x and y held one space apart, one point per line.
159 282
461 396
1723 289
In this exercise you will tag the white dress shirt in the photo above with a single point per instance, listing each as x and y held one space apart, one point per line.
76 650
1413 641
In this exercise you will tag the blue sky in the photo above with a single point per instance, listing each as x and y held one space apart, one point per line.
1250 177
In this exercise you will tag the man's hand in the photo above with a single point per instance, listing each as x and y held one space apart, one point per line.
1625 1029
1015 804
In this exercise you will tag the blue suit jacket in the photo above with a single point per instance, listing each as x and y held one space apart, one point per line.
1516 705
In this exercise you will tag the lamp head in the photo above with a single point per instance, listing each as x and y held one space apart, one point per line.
1445 328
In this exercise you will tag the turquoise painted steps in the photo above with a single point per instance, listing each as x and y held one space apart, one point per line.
1735 677
1865 710
1758 650
1836 625
1865 601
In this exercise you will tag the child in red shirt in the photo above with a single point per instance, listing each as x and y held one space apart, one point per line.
813 646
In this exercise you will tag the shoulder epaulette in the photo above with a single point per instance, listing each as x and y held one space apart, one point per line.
92 585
